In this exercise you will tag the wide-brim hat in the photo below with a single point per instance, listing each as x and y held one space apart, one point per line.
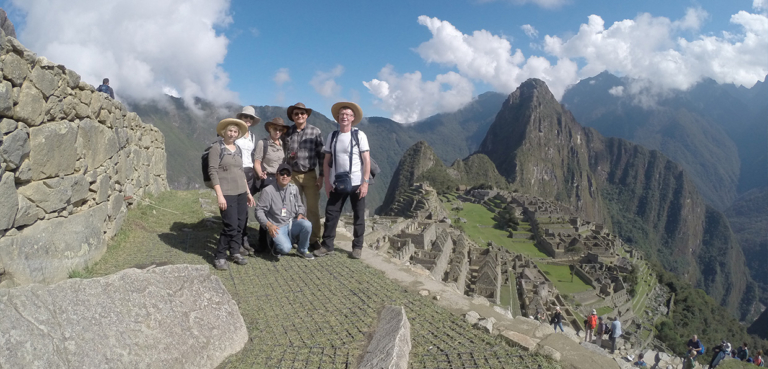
275 122
249 110
229 121
355 108
594 311
298 106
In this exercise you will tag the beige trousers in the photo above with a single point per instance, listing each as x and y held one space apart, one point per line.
311 195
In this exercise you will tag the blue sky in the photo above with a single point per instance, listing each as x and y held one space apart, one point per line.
401 59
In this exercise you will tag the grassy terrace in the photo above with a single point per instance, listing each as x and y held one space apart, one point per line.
303 313
479 228
560 275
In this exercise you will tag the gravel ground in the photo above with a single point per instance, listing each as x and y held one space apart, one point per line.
303 313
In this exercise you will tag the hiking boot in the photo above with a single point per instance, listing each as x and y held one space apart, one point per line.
221 264
239 259
322 252
314 246
306 255
247 250
357 253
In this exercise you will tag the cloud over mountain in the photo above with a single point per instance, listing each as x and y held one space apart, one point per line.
145 47
647 48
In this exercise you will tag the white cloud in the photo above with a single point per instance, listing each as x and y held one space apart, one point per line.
615 90
693 19
145 47
325 82
254 31
410 99
760 5
530 30
645 48
282 76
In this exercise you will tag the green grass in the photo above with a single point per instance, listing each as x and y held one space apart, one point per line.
604 310
479 228
560 275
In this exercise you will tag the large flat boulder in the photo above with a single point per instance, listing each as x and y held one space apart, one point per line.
177 316
47 251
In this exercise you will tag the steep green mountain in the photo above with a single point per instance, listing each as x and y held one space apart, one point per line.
749 221
717 132
188 132
420 164
648 199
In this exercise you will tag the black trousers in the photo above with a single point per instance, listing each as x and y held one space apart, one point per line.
333 212
233 219
250 177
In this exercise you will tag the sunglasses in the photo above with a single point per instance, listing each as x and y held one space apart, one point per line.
284 174
296 113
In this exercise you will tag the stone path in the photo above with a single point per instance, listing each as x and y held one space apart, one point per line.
307 313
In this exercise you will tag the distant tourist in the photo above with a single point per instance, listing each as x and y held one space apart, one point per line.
718 354
640 362
281 212
758 360
304 150
557 320
696 345
267 157
247 144
104 87
348 178
590 326
743 352
602 329
231 189
615 333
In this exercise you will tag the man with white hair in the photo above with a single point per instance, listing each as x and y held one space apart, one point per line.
347 168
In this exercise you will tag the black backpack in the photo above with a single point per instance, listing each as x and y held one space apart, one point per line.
204 160
374 167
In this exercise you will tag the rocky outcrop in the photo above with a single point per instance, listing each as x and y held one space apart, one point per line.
390 346
6 25
177 316
71 161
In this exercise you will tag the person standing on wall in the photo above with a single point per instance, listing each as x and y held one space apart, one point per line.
231 189
615 333
104 87
348 177
247 144
304 154
590 326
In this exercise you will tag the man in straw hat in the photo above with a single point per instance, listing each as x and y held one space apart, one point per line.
225 168
305 153
344 149
247 143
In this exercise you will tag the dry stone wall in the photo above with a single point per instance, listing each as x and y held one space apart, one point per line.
71 160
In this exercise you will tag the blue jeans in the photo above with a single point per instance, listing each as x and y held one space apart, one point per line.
555 325
299 230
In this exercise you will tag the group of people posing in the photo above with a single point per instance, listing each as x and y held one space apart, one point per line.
289 168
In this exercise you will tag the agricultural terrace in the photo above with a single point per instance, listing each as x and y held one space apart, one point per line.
480 227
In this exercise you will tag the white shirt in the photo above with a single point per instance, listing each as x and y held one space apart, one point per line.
341 159
246 146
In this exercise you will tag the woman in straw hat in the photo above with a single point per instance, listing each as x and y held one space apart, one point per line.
231 189
267 161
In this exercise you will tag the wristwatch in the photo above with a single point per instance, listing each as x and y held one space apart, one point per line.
366 180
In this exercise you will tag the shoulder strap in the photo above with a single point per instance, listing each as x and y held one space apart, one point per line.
355 136
333 147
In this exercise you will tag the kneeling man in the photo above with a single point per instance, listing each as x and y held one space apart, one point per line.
281 211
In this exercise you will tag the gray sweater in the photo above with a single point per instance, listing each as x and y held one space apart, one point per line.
228 173
272 200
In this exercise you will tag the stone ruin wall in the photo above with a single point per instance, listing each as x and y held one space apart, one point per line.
71 161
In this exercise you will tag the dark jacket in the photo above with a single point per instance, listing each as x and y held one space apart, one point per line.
557 318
